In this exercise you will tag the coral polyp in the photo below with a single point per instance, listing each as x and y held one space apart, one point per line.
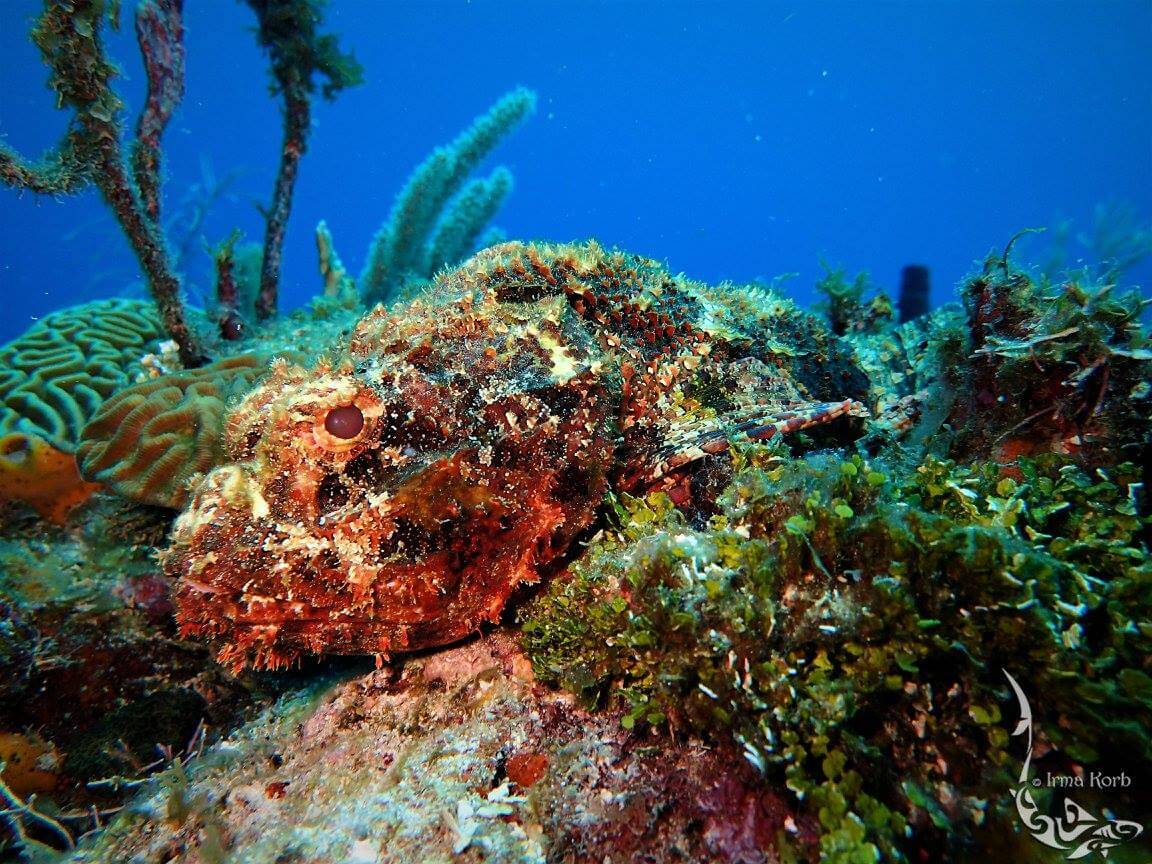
395 496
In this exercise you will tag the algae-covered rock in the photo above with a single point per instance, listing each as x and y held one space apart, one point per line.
89 661
848 626
846 617
457 757
1055 366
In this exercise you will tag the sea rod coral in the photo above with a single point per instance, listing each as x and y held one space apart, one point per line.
298 53
92 152
439 213
128 175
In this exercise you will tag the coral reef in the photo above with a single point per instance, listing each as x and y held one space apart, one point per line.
56 375
439 214
152 440
337 282
44 478
777 575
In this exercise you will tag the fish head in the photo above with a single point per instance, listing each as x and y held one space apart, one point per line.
375 510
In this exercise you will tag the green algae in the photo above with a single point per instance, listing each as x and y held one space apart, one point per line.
845 616
1053 363
846 305
845 622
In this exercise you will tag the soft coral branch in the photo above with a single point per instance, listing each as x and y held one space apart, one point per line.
68 36
160 33
297 119
298 53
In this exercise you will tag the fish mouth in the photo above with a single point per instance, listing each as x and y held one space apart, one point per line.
422 563
250 610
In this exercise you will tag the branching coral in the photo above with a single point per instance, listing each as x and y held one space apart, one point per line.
228 290
68 36
288 31
474 208
439 214
160 33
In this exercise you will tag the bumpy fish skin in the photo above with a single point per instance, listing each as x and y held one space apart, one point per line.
394 497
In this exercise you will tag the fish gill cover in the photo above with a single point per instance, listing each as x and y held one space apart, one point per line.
518 550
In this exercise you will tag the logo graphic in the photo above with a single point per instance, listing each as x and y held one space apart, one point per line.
1077 831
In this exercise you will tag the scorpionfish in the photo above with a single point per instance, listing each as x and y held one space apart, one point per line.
394 496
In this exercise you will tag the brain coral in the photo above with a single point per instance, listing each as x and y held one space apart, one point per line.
149 441
56 375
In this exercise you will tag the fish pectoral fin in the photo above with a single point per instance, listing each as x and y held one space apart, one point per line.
692 440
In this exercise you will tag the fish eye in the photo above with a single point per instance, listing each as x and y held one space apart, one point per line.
232 327
346 421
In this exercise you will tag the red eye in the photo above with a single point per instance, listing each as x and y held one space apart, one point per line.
344 422
232 327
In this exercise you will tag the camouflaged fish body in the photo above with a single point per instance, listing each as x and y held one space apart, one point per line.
393 497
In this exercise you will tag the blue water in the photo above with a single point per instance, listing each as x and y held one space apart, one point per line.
733 140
